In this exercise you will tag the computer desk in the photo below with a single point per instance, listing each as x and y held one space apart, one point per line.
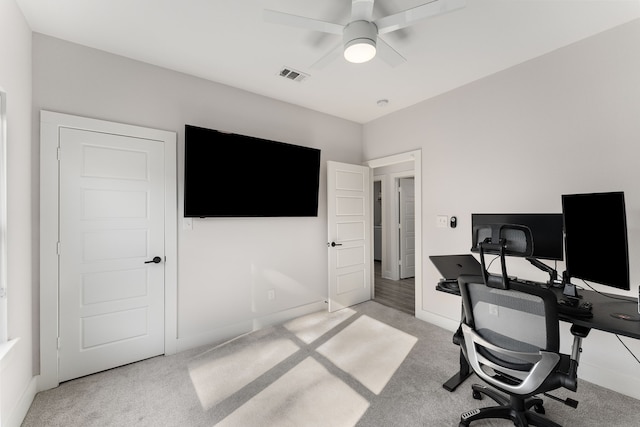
617 315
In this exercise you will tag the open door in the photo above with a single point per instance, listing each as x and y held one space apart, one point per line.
349 234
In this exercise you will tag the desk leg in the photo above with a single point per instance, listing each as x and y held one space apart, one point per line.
464 373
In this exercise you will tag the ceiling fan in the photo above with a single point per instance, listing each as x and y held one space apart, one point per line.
360 37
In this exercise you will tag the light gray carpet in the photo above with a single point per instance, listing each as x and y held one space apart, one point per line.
365 366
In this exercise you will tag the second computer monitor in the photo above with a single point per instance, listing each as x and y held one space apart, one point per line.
596 238
546 229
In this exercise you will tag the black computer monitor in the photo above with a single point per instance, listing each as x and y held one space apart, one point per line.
546 230
596 249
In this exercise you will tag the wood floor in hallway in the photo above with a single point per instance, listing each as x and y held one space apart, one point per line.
398 294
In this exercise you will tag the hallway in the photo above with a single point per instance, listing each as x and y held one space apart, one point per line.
398 294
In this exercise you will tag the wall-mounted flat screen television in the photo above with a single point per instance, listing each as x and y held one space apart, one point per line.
230 175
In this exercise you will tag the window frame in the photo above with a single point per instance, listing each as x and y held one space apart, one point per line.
3 218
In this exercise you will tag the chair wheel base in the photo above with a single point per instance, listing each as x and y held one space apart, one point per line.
539 408
519 411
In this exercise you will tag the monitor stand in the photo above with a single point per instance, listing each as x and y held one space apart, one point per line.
553 274
570 291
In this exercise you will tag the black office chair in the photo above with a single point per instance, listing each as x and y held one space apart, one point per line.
510 336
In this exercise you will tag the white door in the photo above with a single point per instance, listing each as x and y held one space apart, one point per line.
111 224
349 234
407 228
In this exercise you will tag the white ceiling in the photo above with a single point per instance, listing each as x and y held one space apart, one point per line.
226 41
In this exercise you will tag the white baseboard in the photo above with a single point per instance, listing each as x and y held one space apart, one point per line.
292 313
616 380
231 331
16 416
443 322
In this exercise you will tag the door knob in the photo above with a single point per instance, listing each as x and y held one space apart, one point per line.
155 260
334 244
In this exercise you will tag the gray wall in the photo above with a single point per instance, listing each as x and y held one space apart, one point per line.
566 122
226 266
16 369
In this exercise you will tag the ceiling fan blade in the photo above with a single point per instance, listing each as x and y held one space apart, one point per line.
388 54
362 10
331 56
384 9
276 17
410 16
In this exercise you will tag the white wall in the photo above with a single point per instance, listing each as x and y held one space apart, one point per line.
16 385
226 266
516 141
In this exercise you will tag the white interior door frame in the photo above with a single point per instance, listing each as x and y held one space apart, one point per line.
416 158
50 123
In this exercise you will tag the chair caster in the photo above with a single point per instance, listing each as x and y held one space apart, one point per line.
539 408
477 395
463 424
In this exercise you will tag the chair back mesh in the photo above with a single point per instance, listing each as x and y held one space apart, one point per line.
511 337
516 240
509 319
482 232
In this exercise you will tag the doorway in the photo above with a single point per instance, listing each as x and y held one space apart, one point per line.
388 175
106 188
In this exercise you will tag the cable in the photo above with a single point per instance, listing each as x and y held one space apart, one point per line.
617 336
604 295
491 262
628 349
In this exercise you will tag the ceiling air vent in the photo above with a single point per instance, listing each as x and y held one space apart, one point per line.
291 74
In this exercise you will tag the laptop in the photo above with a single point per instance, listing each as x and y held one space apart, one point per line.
452 266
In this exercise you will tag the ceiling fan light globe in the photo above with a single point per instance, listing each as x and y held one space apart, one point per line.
359 51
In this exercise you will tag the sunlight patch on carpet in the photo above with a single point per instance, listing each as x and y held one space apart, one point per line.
312 326
369 350
308 395
225 371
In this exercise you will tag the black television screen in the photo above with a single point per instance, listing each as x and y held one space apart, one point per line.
230 175
546 230
595 227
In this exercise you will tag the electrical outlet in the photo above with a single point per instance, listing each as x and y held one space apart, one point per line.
442 221
271 294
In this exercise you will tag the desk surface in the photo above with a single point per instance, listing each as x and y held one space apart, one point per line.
604 306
